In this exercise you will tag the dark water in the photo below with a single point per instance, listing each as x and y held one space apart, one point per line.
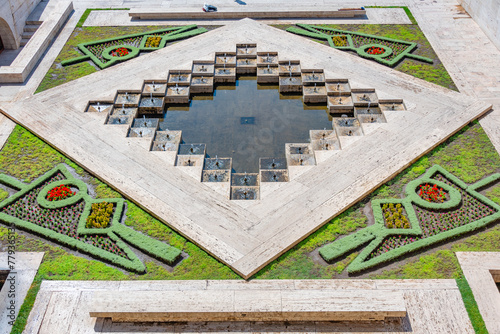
246 122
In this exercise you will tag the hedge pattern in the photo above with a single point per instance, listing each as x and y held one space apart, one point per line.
465 211
99 51
64 221
395 49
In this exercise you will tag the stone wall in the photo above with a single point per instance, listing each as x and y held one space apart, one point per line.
13 15
486 13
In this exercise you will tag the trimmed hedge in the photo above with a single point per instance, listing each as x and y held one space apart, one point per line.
319 33
375 235
168 35
115 231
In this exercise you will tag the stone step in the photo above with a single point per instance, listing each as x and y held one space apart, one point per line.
24 41
32 22
31 27
27 34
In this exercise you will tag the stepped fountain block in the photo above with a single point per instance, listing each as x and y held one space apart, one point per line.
192 149
127 98
301 160
167 140
143 127
225 58
100 106
203 68
201 84
340 104
324 140
364 97
122 116
347 126
274 175
287 66
299 155
267 74
338 87
314 94
313 76
177 95
218 164
155 87
246 50
221 175
151 105
245 179
244 193
179 77
392 105
190 160
246 66
289 84
369 115
272 163
227 74
267 58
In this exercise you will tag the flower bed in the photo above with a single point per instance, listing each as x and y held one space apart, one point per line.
394 216
375 50
432 193
78 221
100 215
59 193
130 46
153 42
120 52
431 219
384 50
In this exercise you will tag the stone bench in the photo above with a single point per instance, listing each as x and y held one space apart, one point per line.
247 305
198 14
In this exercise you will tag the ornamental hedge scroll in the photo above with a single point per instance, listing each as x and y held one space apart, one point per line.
387 51
461 210
57 206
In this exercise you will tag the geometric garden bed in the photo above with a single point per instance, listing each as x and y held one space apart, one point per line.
57 206
403 226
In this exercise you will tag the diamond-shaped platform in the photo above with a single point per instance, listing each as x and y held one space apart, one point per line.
246 235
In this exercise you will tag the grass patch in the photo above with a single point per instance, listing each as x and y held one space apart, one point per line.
471 306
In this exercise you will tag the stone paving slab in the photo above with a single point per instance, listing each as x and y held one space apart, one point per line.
433 306
22 268
245 238
122 18
482 269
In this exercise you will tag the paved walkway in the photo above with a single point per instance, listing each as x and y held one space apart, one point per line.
373 16
433 306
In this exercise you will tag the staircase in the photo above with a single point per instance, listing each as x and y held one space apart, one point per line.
29 30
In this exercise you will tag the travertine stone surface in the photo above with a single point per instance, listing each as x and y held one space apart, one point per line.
250 236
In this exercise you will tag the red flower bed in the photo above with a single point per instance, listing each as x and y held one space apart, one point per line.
59 193
431 193
120 52
375 50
